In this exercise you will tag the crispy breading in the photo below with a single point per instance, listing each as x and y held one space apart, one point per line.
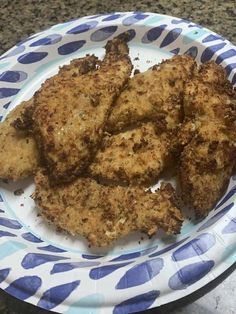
102 214
209 95
206 165
213 73
69 116
18 151
134 156
153 95
70 109
208 135
75 68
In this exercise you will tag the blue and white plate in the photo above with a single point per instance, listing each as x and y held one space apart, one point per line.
60 273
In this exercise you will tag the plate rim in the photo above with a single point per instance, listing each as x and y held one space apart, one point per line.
221 267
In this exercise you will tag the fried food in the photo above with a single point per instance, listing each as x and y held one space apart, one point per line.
206 165
209 95
77 67
69 114
102 214
208 137
134 156
153 95
18 151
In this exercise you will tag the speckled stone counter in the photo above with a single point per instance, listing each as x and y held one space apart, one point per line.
19 19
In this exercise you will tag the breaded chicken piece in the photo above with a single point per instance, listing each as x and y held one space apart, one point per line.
18 151
69 115
75 68
102 214
206 165
135 156
213 73
208 137
209 95
153 95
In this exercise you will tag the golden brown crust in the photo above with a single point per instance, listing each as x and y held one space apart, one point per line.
18 151
206 165
210 95
136 156
70 113
77 67
208 135
102 214
153 95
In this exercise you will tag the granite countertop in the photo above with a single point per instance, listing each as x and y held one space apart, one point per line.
21 18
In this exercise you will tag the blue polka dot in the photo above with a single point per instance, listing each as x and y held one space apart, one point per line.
86 256
229 68
198 246
13 76
211 37
7 92
31 238
210 51
225 55
32 57
192 51
51 248
168 248
26 40
4 273
138 303
7 105
171 37
230 227
190 274
32 260
103 271
56 295
127 256
71 47
227 197
63 267
83 27
175 51
103 33
49 40
216 217
30 283
6 234
112 17
153 34
141 273
134 19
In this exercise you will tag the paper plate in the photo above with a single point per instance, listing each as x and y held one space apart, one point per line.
60 273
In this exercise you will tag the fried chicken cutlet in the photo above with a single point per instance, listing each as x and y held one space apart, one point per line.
153 95
209 95
208 135
134 156
69 114
102 214
75 68
18 151
206 165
